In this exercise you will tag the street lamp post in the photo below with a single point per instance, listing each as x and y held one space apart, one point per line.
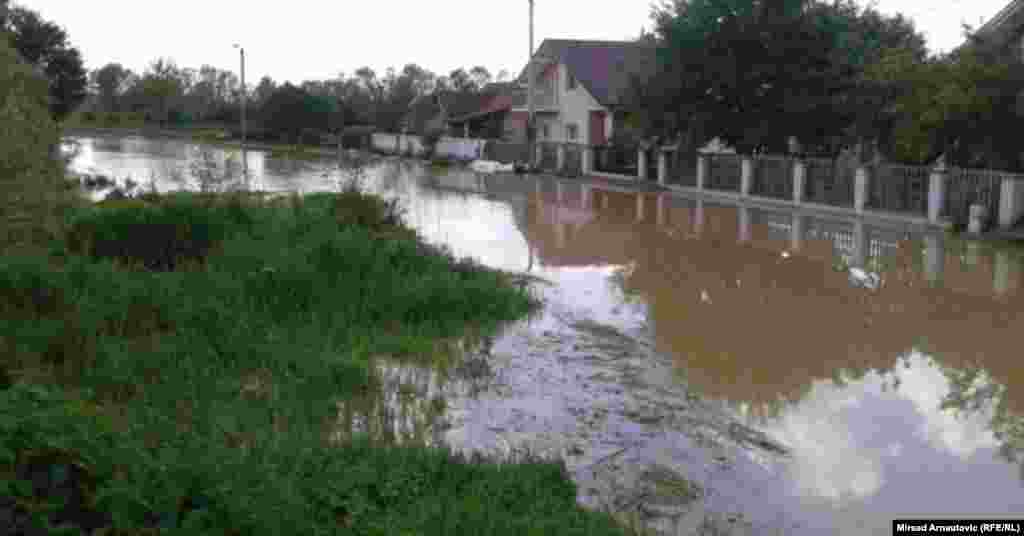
530 73
245 163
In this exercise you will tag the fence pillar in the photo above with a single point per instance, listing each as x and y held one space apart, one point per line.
860 189
702 170
587 164
538 154
743 222
560 160
746 175
859 255
641 164
660 207
639 206
662 167
934 257
937 191
698 218
1011 202
799 180
796 231
1005 273
398 144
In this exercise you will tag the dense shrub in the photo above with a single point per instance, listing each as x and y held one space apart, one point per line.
32 181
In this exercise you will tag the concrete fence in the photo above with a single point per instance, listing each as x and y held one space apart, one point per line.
937 193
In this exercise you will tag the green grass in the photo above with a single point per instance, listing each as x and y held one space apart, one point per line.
176 363
105 120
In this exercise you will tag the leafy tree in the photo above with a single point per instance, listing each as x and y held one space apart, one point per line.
961 104
739 71
160 85
461 81
44 45
111 81
480 76
290 110
30 180
264 90
755 73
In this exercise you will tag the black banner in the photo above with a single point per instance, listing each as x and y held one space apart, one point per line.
958 526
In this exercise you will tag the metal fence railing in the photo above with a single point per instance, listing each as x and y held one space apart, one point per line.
548 155
965 187
773 177
829 182
573 160
617 159
899 188
723 172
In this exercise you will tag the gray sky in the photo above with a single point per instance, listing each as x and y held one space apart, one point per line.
308 39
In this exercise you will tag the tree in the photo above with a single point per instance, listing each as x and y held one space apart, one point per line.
44 45
480 76
264 90
29 179
961 104
160 85
111 81
290 110
748 75
754 73
460 81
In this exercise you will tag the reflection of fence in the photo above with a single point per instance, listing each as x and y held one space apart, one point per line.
548 154
723 172
573 160
773 177
829 182
652 164
507 152
969 186
899 188
616 159
681 168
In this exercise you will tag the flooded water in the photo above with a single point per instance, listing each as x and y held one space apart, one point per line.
699 365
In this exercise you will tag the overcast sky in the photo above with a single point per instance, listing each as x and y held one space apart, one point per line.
308 39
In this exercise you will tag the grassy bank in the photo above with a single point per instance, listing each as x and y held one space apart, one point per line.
206 135
174 365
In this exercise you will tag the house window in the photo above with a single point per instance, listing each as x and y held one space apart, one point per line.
545 131
570 83
571 131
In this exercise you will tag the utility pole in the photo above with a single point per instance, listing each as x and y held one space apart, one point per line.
245 163
530 73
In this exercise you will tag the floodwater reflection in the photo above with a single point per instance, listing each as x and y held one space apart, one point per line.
881 360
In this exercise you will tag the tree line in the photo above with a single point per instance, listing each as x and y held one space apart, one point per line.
754 73
832 75
171 94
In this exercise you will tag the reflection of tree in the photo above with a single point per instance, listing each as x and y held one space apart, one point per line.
750 325
972 391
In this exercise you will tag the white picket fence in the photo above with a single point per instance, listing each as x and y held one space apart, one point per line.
460 148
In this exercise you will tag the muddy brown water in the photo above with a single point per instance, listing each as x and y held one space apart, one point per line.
705 368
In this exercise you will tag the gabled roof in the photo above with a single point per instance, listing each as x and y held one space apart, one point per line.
1004 25
1009 14
603 67
494 97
